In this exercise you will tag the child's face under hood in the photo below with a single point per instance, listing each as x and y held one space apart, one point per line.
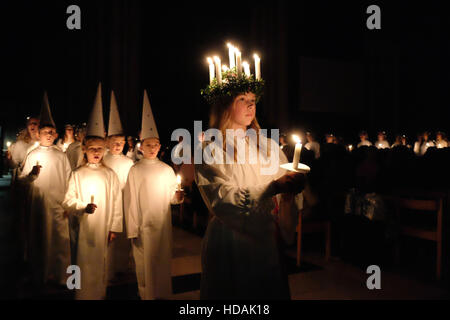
94 148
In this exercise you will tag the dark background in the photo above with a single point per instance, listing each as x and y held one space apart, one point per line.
325 71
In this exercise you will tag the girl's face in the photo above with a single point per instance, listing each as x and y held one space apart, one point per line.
150 148
33 128
47 136
94 149
116 144
69 132
243 111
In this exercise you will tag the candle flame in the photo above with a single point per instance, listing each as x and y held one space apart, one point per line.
256 57
8 144
178 179
224 67
229 45
210 61
296 138
216 59
245 64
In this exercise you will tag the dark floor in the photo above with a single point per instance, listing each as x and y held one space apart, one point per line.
341 278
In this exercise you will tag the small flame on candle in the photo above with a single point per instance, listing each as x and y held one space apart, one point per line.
296 138
210 61
8 144
224 68
178 179
256 57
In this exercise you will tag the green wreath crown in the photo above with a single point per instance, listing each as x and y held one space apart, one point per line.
232 85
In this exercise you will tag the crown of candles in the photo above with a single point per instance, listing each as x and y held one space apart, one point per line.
233 79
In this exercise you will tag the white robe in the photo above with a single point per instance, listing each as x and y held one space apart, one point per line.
240 254
441 144
119 250
102 183
63 146
364 143
314 146
75 154
382 144
149 192
49 230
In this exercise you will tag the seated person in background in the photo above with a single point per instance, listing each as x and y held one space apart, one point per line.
312 144
401 140
426 143
440 140
382 143
364 137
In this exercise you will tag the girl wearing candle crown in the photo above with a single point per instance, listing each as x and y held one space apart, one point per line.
240 254
95 197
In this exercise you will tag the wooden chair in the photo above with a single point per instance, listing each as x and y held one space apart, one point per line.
435 234
304 227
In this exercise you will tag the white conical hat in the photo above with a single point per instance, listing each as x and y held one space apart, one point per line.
95 126
114 126
46 115
148 129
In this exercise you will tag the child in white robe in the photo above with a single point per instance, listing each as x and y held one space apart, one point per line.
119 251
94 196
47 170
150 190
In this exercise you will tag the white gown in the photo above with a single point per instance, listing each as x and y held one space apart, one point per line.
240 254
102 183
75 154
63 146
49 230
382 144
119 250
364 143
149 192
314 146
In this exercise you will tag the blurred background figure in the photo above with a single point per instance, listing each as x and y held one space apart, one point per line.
418 143
364 139
73 151
67 139
441 141
312 144
382 143
286 147
426 143
330 138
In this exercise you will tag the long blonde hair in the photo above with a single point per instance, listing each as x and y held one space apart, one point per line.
220 118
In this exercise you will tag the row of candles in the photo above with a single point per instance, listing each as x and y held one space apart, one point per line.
235 58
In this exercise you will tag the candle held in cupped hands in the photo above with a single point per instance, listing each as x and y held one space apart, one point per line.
178 182
298 150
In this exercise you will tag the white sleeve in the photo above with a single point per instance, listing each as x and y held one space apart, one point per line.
234 206
72 202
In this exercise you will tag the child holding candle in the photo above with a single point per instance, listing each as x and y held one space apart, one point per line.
99 221
149 192
46 170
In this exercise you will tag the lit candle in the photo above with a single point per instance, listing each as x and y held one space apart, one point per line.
92 198
238 62
8 144
439 146
231 50
38 158
298 150
257 66
138 145
224 68
218 70
65 146
246 68
178 182
211 69
350 147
